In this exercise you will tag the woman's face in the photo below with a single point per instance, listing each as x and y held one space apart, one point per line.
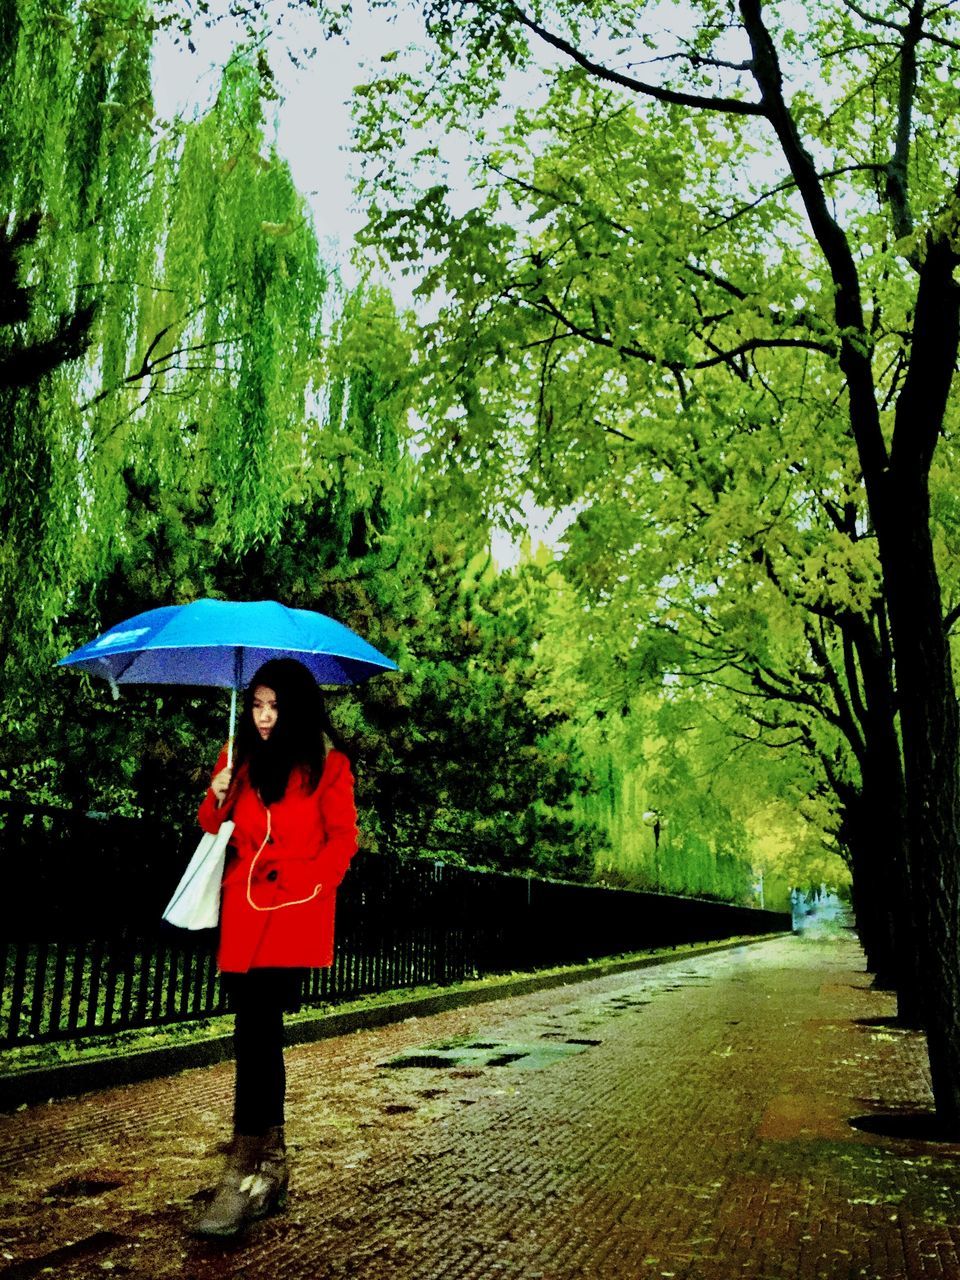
264 710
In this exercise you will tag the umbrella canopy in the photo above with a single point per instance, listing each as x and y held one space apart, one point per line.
222 642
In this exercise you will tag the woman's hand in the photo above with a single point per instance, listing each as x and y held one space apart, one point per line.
221 784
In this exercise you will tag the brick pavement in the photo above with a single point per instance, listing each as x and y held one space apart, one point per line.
697 1129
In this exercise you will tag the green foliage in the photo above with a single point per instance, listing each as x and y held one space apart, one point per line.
238 430
240 317
690 796
74 148
251 455
465 770
689 808
637 315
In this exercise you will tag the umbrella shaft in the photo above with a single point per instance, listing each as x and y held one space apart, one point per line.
233 725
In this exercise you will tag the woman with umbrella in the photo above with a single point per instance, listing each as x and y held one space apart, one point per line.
290 795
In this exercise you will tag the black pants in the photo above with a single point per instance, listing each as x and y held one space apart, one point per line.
258 1000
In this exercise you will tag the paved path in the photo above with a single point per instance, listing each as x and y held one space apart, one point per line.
688 1121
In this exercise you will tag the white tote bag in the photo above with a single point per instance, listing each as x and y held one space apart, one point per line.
196 900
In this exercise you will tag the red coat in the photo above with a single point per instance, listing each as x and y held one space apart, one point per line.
277 908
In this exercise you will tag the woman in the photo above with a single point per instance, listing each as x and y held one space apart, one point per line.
290 795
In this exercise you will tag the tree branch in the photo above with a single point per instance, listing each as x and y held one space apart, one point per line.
731 106
844 719
897 180
761 344
712 278
945 41
543 303
872 18
153 368
853 677
854 356
787 185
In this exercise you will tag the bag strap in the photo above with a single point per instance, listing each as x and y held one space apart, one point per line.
208 850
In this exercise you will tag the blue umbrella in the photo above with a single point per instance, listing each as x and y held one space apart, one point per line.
222 643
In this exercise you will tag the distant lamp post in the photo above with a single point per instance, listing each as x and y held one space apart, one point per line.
758 888
655 820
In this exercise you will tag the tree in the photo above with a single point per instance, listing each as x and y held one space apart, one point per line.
25 362
74 143
842 264
195 391
684 777
206 342
735 577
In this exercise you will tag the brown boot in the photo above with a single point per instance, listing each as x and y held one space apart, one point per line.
228 1211
267 1188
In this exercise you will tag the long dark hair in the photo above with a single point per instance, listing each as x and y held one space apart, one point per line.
300 737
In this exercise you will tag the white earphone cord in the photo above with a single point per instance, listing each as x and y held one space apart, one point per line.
297 902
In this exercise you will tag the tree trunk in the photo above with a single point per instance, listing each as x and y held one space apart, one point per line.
870 902
884 828
897 482
929 722
931 752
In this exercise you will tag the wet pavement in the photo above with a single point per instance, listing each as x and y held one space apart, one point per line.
690 1120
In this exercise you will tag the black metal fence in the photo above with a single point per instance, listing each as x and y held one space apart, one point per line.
83 951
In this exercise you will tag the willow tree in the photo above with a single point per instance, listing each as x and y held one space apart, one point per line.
686 777
202 381
74 153
841 247
205 348
148 753
233 336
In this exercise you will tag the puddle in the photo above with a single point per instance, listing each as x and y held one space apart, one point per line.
471 1059
82 1188
419 1060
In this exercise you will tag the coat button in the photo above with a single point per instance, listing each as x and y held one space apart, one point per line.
272 875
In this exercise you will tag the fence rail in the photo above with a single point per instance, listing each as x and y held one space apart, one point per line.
84 953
